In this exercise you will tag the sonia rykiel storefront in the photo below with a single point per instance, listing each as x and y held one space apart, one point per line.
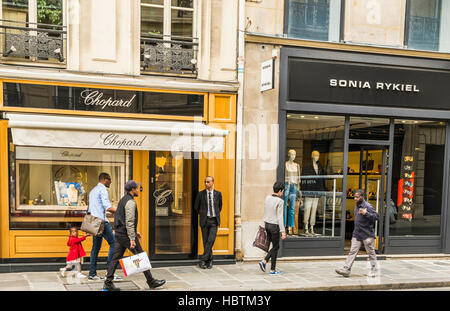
58 137
375 122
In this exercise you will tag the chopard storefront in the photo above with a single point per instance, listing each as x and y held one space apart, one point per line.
364 121
56 138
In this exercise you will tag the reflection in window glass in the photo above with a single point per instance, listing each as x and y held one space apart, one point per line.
49 12
424 18
314 159
417 177
160 2
50 186
309 19
15 11
182 23
152 21
369 128
172 197
183 3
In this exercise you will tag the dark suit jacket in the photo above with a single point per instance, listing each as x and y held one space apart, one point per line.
201 206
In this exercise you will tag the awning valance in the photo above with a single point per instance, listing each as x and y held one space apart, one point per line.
110 133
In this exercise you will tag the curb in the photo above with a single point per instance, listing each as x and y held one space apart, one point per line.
358 258
355 287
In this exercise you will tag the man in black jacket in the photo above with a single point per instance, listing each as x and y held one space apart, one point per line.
127 237
365 217
208 204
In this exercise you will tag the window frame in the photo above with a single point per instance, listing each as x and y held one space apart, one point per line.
341 22
167 17
406 29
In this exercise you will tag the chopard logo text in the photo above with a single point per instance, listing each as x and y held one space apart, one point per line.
95 98
112 139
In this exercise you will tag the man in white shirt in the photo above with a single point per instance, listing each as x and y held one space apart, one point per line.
208 204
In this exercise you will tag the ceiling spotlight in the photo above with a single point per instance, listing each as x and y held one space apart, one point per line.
11 50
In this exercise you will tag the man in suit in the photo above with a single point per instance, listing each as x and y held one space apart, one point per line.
208 204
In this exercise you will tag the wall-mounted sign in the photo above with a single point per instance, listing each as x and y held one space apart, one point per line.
328 81
267 75
27 95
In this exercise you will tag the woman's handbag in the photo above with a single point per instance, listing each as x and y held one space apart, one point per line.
92 225
135 264
261 240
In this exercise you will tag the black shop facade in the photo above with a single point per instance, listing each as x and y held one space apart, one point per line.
374 122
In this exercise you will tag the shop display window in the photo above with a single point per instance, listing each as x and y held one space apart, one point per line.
417 178
314 175
49 187
172 197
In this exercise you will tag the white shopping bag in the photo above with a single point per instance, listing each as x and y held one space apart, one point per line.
135 264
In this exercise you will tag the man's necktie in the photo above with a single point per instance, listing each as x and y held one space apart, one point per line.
210 207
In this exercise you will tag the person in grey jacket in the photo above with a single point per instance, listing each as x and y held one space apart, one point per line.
274 225
127 236
363 233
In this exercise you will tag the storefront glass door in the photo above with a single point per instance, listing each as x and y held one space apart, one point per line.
173 225
367 170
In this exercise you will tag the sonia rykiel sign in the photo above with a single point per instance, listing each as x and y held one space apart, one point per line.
357 84
95 98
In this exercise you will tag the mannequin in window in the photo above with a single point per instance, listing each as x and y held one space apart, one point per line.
312 188
290 191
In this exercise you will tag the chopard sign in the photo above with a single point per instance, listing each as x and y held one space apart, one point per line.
112 139
95 98
384 86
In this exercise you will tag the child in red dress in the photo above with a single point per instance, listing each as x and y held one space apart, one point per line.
76 253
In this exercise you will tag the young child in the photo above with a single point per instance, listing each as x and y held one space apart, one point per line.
76 253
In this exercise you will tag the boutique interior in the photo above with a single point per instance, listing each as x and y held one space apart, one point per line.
317 142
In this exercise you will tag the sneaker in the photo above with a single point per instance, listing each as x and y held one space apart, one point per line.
62 271
80 275
156 283
117 278
275 272
95 277
344 272
110 287
262 265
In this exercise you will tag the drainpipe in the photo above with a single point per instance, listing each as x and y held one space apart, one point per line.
239 130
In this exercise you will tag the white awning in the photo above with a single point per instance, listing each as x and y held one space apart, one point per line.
109 133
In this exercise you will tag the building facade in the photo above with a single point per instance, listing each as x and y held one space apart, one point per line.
141 89
345 95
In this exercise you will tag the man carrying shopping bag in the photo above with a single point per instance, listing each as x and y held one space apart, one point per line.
127 237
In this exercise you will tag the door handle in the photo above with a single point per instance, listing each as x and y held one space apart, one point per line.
152 180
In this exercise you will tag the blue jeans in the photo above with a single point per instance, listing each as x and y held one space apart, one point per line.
290 194
108 234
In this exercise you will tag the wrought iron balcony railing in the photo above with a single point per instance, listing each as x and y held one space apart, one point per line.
175 56
32 41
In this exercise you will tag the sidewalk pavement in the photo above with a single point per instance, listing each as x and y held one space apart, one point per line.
246 276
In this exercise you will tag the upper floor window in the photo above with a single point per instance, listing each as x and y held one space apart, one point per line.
168 42
33 29
423 24
313 19
410 24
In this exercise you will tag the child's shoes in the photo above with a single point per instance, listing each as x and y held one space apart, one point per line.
80 275
62 271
